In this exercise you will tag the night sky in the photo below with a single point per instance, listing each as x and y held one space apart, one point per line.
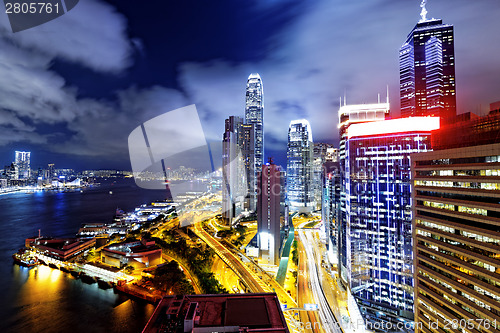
73 89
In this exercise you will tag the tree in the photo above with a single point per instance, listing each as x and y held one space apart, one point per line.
129 269
169 277
295 253
131 238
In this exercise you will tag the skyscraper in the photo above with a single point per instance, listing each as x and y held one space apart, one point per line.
247 145
23 164
457 239
319 158
254 115
299 170
330 201
456 218
233 170
268 212
349 115
427 70
375 240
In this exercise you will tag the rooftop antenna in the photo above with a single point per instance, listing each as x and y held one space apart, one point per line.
378 98
387 94
340 101
345 98
423 13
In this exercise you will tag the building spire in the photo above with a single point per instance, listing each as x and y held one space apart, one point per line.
423 13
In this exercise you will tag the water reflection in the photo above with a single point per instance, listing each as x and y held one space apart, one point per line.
47 300
53 301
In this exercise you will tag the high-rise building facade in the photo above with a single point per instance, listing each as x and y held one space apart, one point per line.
377 250
299 170
268 213
247 145
254 115
330 202
427 70
234 182
320 151
238 161
349 115
456 228
23 164
11 172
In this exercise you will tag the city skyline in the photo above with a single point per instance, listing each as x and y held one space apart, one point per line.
93 99
386 219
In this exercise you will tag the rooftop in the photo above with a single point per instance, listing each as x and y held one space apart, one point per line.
392 126
61 244
133 247
229 312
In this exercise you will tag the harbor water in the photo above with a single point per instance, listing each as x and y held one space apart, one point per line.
42 299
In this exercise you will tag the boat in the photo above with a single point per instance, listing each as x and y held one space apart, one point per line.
104 284
64 269
54 266
87 278
75 273
24 258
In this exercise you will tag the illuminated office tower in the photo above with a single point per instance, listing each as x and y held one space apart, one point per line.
11 172
50 172
299 170
319 158
23 164
330 201
268 213
349 115
427 70
456 221
254 115
378 233
247 146
234 183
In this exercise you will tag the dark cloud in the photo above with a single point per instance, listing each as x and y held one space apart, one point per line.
351 48
93 34
327 49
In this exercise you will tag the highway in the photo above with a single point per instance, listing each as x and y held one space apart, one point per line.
226 276
329 322
310 281
231 260
253 282
305 295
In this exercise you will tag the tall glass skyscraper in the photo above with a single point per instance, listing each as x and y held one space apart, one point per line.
247 145
233 170
268 213
254 115
349 115
427 70
23 164
378 253
299 171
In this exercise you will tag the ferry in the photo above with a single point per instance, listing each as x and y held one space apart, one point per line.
24 258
